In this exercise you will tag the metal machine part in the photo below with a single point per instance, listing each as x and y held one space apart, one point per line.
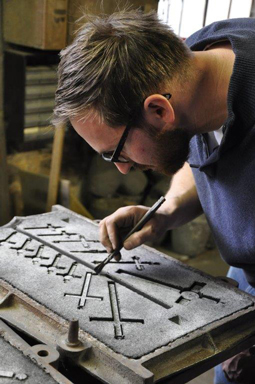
145 319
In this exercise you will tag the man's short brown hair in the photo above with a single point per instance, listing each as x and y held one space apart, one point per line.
114 63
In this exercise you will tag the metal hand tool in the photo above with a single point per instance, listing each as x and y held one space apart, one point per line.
148 215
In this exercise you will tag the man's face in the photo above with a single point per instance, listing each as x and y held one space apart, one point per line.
145 148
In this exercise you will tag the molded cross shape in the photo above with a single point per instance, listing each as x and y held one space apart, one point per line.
186 294
116 315
83 296
70 273
6 238
35 253
193 293
63 235
140 265
48 226
15 241
56 231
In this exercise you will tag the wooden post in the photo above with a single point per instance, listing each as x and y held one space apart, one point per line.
4 189
55 169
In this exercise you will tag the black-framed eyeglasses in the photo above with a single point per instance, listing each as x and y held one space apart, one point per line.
114 156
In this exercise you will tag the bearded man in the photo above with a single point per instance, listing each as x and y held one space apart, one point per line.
143 98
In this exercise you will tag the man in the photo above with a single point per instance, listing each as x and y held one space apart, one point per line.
141 98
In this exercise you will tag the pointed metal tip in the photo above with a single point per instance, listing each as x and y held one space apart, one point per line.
99 268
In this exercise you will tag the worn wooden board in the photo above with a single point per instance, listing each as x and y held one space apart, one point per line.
36 23
4 193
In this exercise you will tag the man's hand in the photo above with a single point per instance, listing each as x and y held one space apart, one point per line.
114 227
181 206
241 367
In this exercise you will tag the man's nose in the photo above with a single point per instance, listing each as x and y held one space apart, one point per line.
124 167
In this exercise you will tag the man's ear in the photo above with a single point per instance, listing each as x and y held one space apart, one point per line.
158 111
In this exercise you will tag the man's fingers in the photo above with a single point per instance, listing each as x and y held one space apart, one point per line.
104 237
112 227
109 235
106 241
138 238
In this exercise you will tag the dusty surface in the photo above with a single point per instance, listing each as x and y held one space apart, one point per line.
144 302
16 368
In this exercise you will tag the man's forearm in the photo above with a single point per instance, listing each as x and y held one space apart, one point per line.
182 200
